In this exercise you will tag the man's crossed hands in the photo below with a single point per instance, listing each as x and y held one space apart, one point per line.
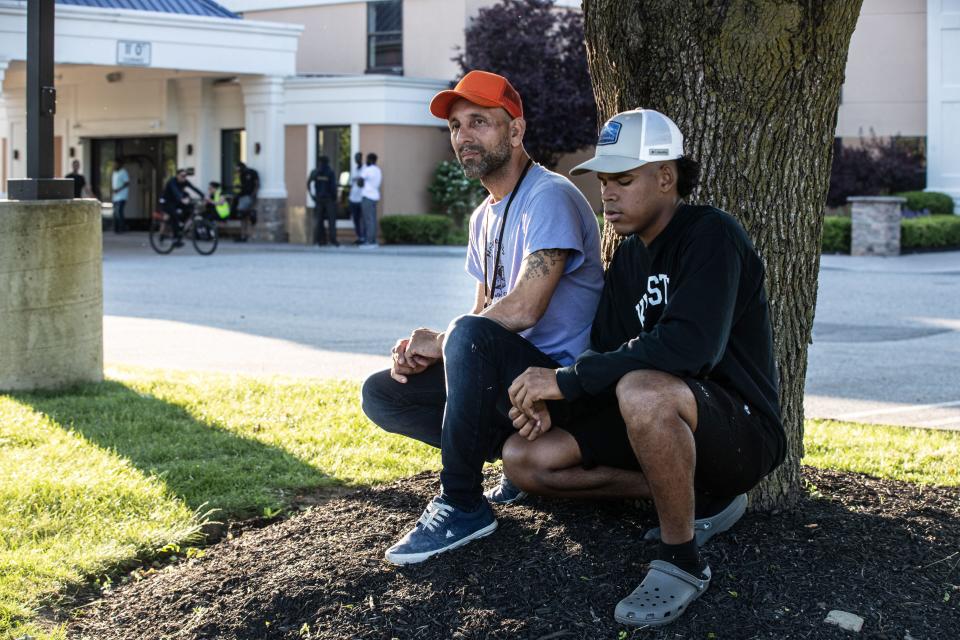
413 355
528 395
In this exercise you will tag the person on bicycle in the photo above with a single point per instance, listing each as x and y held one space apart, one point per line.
175 201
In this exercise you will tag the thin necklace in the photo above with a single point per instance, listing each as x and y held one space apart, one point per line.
488 289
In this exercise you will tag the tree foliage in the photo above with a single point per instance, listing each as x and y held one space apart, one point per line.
540 49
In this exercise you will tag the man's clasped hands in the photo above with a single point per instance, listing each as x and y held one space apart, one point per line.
528 393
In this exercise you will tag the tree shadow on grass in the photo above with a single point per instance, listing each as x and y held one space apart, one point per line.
205 465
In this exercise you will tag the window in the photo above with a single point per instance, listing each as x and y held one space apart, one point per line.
385 36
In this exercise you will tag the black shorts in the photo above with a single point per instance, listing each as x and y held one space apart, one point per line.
736 445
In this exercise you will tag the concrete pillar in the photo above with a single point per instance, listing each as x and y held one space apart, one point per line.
876 225
51 294
198 129
263 99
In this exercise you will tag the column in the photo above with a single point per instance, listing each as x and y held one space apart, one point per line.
263 117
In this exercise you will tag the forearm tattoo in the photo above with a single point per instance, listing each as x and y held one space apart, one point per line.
539 264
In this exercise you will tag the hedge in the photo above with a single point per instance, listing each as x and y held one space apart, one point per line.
935 203
417 229
930 232
836 234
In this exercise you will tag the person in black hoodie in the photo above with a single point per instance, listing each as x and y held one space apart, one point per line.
677 398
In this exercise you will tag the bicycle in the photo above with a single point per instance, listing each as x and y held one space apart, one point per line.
202 231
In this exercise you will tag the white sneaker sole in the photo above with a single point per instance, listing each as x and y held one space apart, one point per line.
414 558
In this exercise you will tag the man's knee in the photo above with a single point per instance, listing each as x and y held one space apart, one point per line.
465 334
516 457
376 397
532 465
647 399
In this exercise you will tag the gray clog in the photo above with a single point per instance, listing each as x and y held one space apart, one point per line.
664 594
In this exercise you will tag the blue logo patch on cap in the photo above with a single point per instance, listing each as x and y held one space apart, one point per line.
609 134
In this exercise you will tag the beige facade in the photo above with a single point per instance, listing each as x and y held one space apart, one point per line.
407 156
886 76
334 36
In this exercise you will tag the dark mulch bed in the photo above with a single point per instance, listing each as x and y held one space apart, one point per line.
887 551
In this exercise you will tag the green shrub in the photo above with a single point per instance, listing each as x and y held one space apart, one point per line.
419 229
930 232
836 234
935 203
453 193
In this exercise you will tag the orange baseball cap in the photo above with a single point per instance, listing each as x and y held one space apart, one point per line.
481 88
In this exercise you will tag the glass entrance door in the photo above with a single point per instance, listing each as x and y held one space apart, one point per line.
150 162
334 142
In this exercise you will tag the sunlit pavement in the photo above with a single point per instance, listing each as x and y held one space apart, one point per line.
886 338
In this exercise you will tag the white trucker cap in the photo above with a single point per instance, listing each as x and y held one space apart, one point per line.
631 139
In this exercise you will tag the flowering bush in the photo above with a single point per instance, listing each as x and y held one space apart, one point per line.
876 167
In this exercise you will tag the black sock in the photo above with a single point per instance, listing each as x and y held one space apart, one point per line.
708 506
685 555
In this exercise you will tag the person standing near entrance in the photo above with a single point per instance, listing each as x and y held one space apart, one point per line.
120 185
356 198
80 188
370 179
247 199
322 187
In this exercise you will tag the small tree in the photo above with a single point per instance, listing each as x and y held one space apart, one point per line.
540 49
453 193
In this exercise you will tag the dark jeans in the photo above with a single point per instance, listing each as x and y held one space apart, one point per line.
356 213
119 224
325 209
461 407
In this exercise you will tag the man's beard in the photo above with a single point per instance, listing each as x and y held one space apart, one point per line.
486 162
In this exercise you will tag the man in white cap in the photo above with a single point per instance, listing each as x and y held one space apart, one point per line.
534 251
677 398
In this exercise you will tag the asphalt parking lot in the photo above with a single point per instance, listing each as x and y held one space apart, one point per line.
886 345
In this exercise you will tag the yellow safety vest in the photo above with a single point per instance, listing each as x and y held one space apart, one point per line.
220 204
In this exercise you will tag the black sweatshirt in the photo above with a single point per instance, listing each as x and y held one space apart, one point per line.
692 304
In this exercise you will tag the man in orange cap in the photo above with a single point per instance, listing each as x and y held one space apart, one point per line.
535 252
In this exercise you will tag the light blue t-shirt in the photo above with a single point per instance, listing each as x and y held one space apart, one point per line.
548 212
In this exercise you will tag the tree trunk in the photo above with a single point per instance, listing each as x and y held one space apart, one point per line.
754 86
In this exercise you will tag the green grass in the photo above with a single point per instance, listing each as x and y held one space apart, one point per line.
923 456
105 474
96 478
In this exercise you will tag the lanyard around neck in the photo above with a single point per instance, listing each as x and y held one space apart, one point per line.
488 288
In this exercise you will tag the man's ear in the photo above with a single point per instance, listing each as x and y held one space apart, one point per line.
667 176
518 127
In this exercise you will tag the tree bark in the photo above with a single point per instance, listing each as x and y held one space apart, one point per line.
754 85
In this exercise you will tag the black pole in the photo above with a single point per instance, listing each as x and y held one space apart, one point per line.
41 96
41 107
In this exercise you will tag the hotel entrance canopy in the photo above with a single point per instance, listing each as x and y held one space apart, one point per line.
186 35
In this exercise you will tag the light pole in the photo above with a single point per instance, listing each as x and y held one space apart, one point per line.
41 107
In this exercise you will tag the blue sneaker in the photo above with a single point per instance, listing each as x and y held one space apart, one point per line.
505 493
441 527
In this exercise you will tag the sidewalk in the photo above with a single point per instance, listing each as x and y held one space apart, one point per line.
886 339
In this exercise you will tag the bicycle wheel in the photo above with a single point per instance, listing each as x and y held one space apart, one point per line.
204 236
161 235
